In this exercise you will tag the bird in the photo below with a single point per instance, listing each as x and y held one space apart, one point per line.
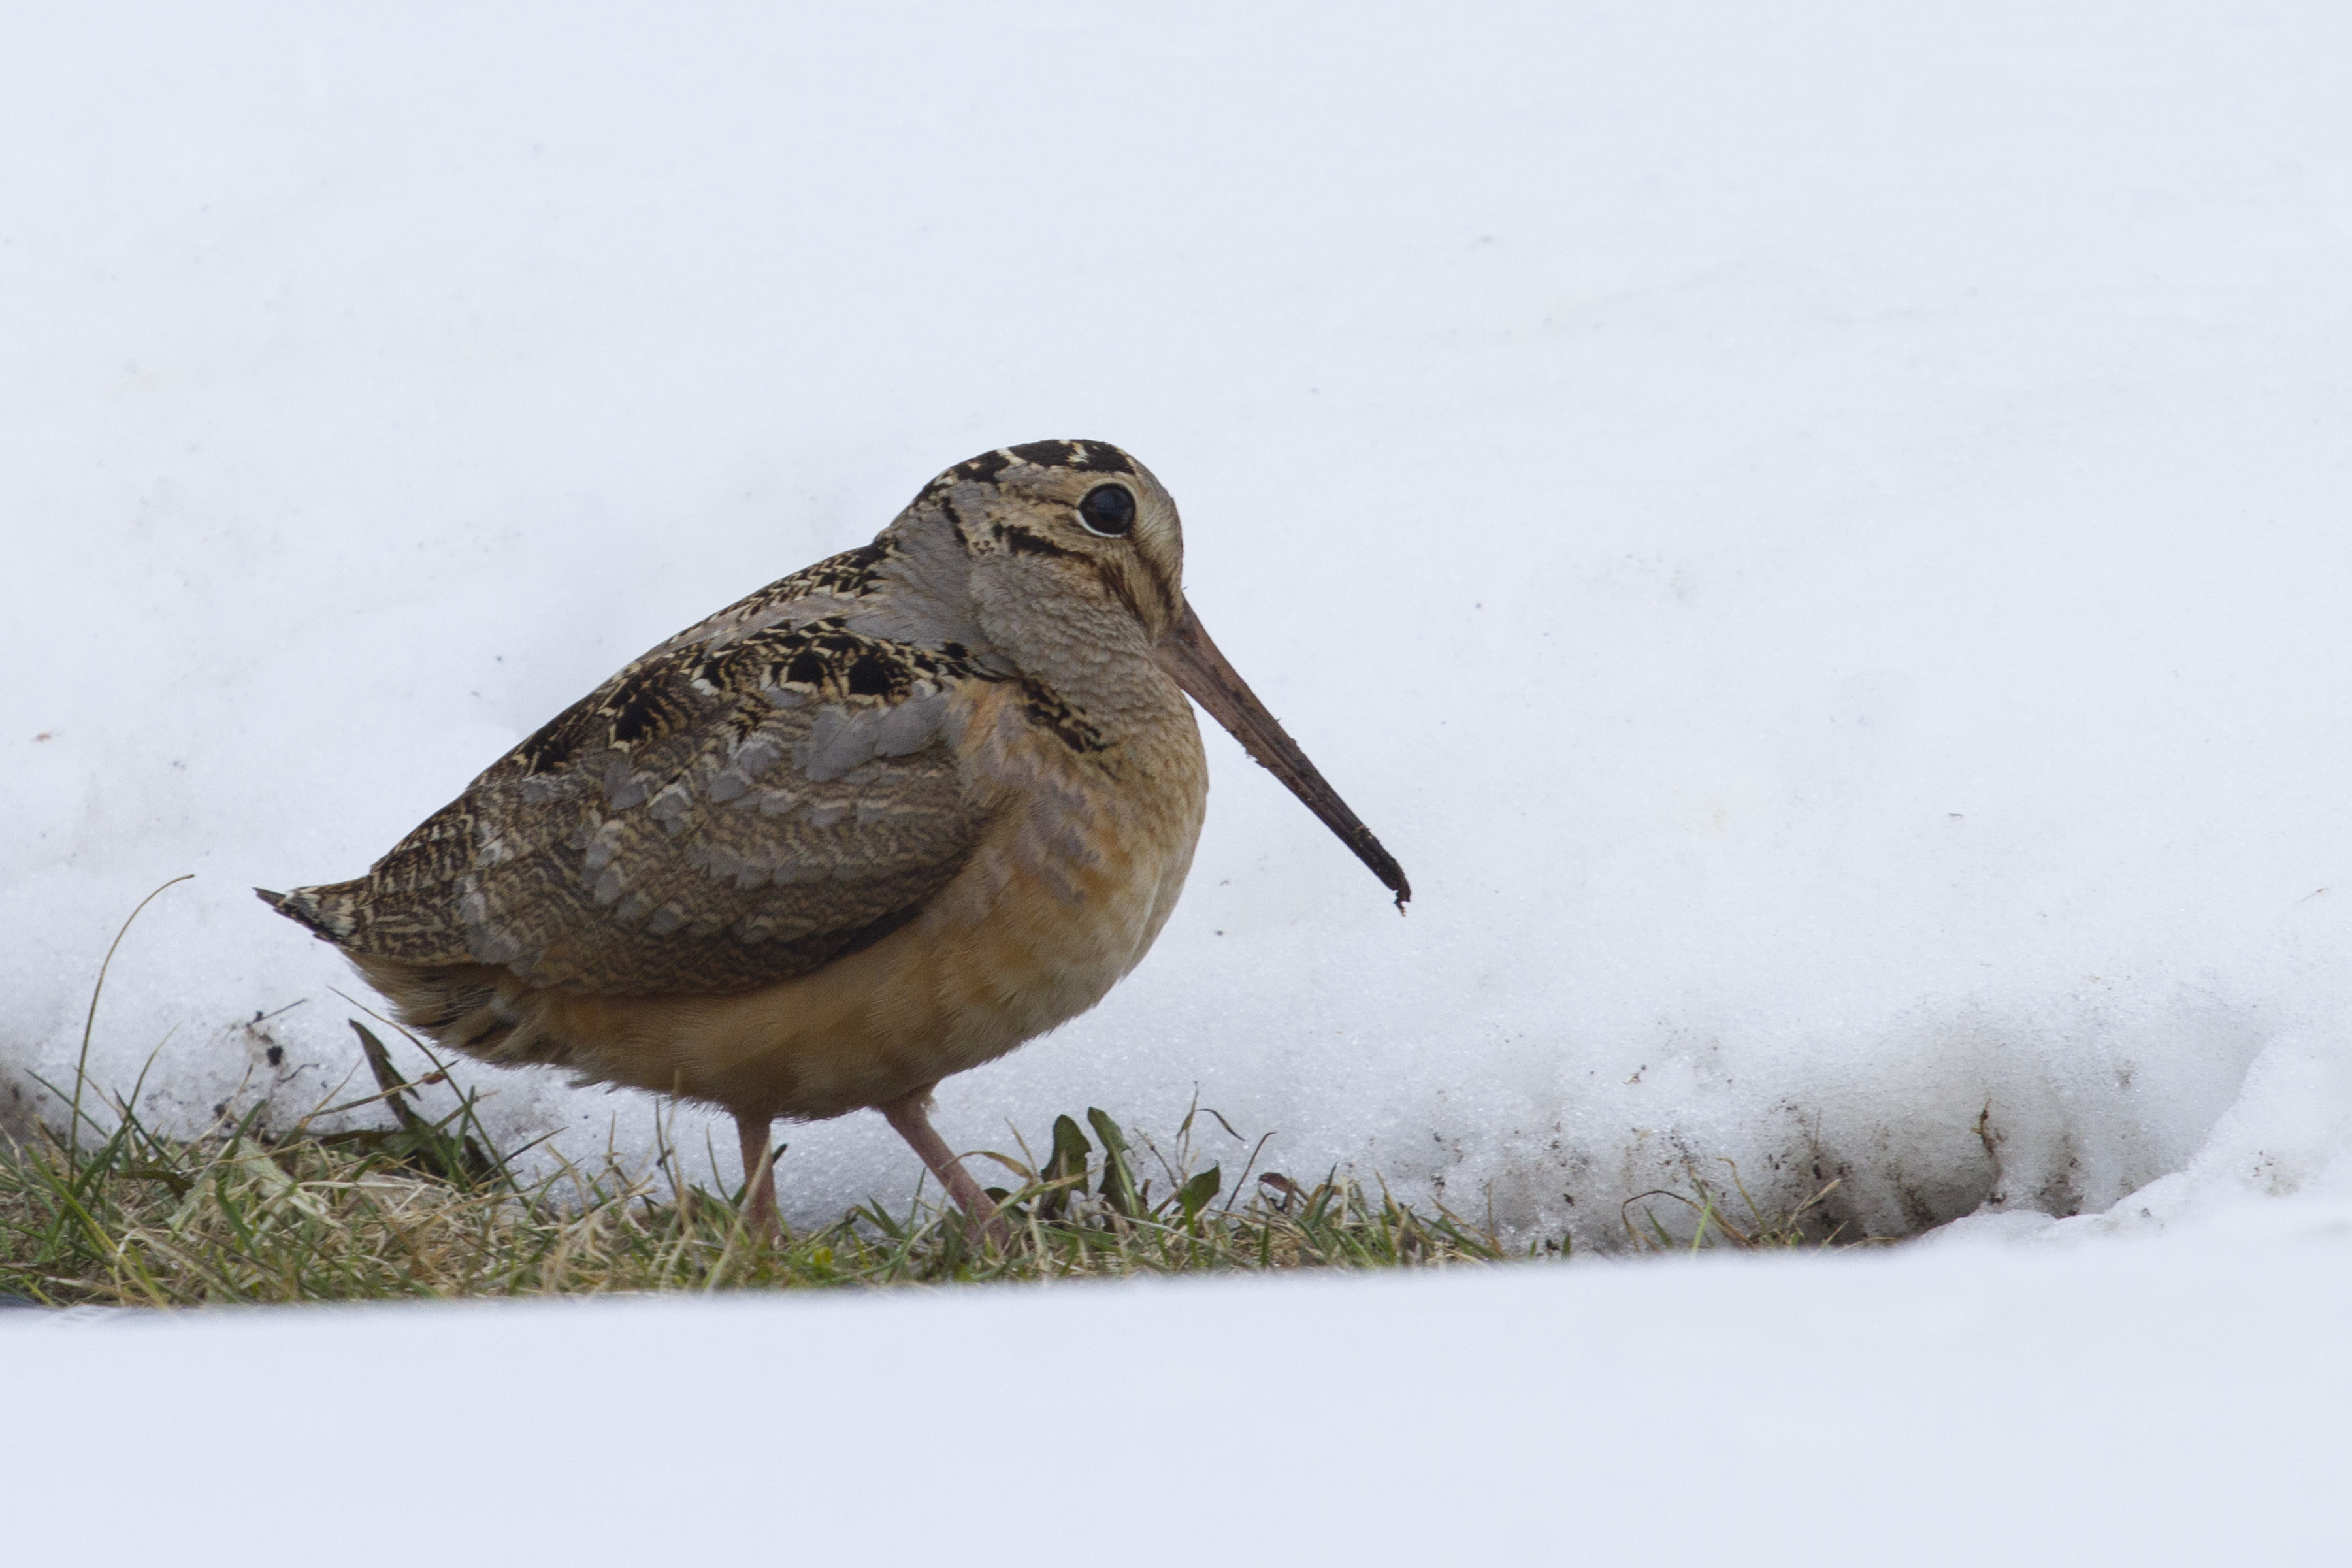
878 823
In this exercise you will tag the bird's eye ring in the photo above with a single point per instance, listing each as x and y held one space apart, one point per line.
1107 509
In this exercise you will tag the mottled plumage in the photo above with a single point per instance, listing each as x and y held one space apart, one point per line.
878 822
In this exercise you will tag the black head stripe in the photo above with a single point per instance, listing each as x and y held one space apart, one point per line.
1083 457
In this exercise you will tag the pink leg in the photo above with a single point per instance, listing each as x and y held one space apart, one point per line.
758 1176
909 1115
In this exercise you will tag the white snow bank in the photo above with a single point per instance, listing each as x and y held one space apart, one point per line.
2279 1162
1817 537
2174 1401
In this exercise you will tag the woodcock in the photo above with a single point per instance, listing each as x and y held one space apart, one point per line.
882 821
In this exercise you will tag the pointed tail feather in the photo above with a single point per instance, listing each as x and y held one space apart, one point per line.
326 920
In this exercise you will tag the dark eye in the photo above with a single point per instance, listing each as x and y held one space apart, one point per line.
1109 510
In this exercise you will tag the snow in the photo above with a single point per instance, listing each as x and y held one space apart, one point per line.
2177 1401
1815 534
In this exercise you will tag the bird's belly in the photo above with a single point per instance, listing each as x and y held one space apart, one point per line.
1060 899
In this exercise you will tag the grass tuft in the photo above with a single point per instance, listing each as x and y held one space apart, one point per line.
1708 1209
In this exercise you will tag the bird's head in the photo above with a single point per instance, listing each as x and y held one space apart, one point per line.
1082 516
1075 547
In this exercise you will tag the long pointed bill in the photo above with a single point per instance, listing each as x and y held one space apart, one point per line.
1187 653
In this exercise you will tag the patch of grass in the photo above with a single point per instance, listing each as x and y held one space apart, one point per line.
1717 1222
122 1216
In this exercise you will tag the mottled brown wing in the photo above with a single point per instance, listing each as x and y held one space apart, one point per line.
708 821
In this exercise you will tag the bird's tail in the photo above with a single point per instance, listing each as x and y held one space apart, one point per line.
331 912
